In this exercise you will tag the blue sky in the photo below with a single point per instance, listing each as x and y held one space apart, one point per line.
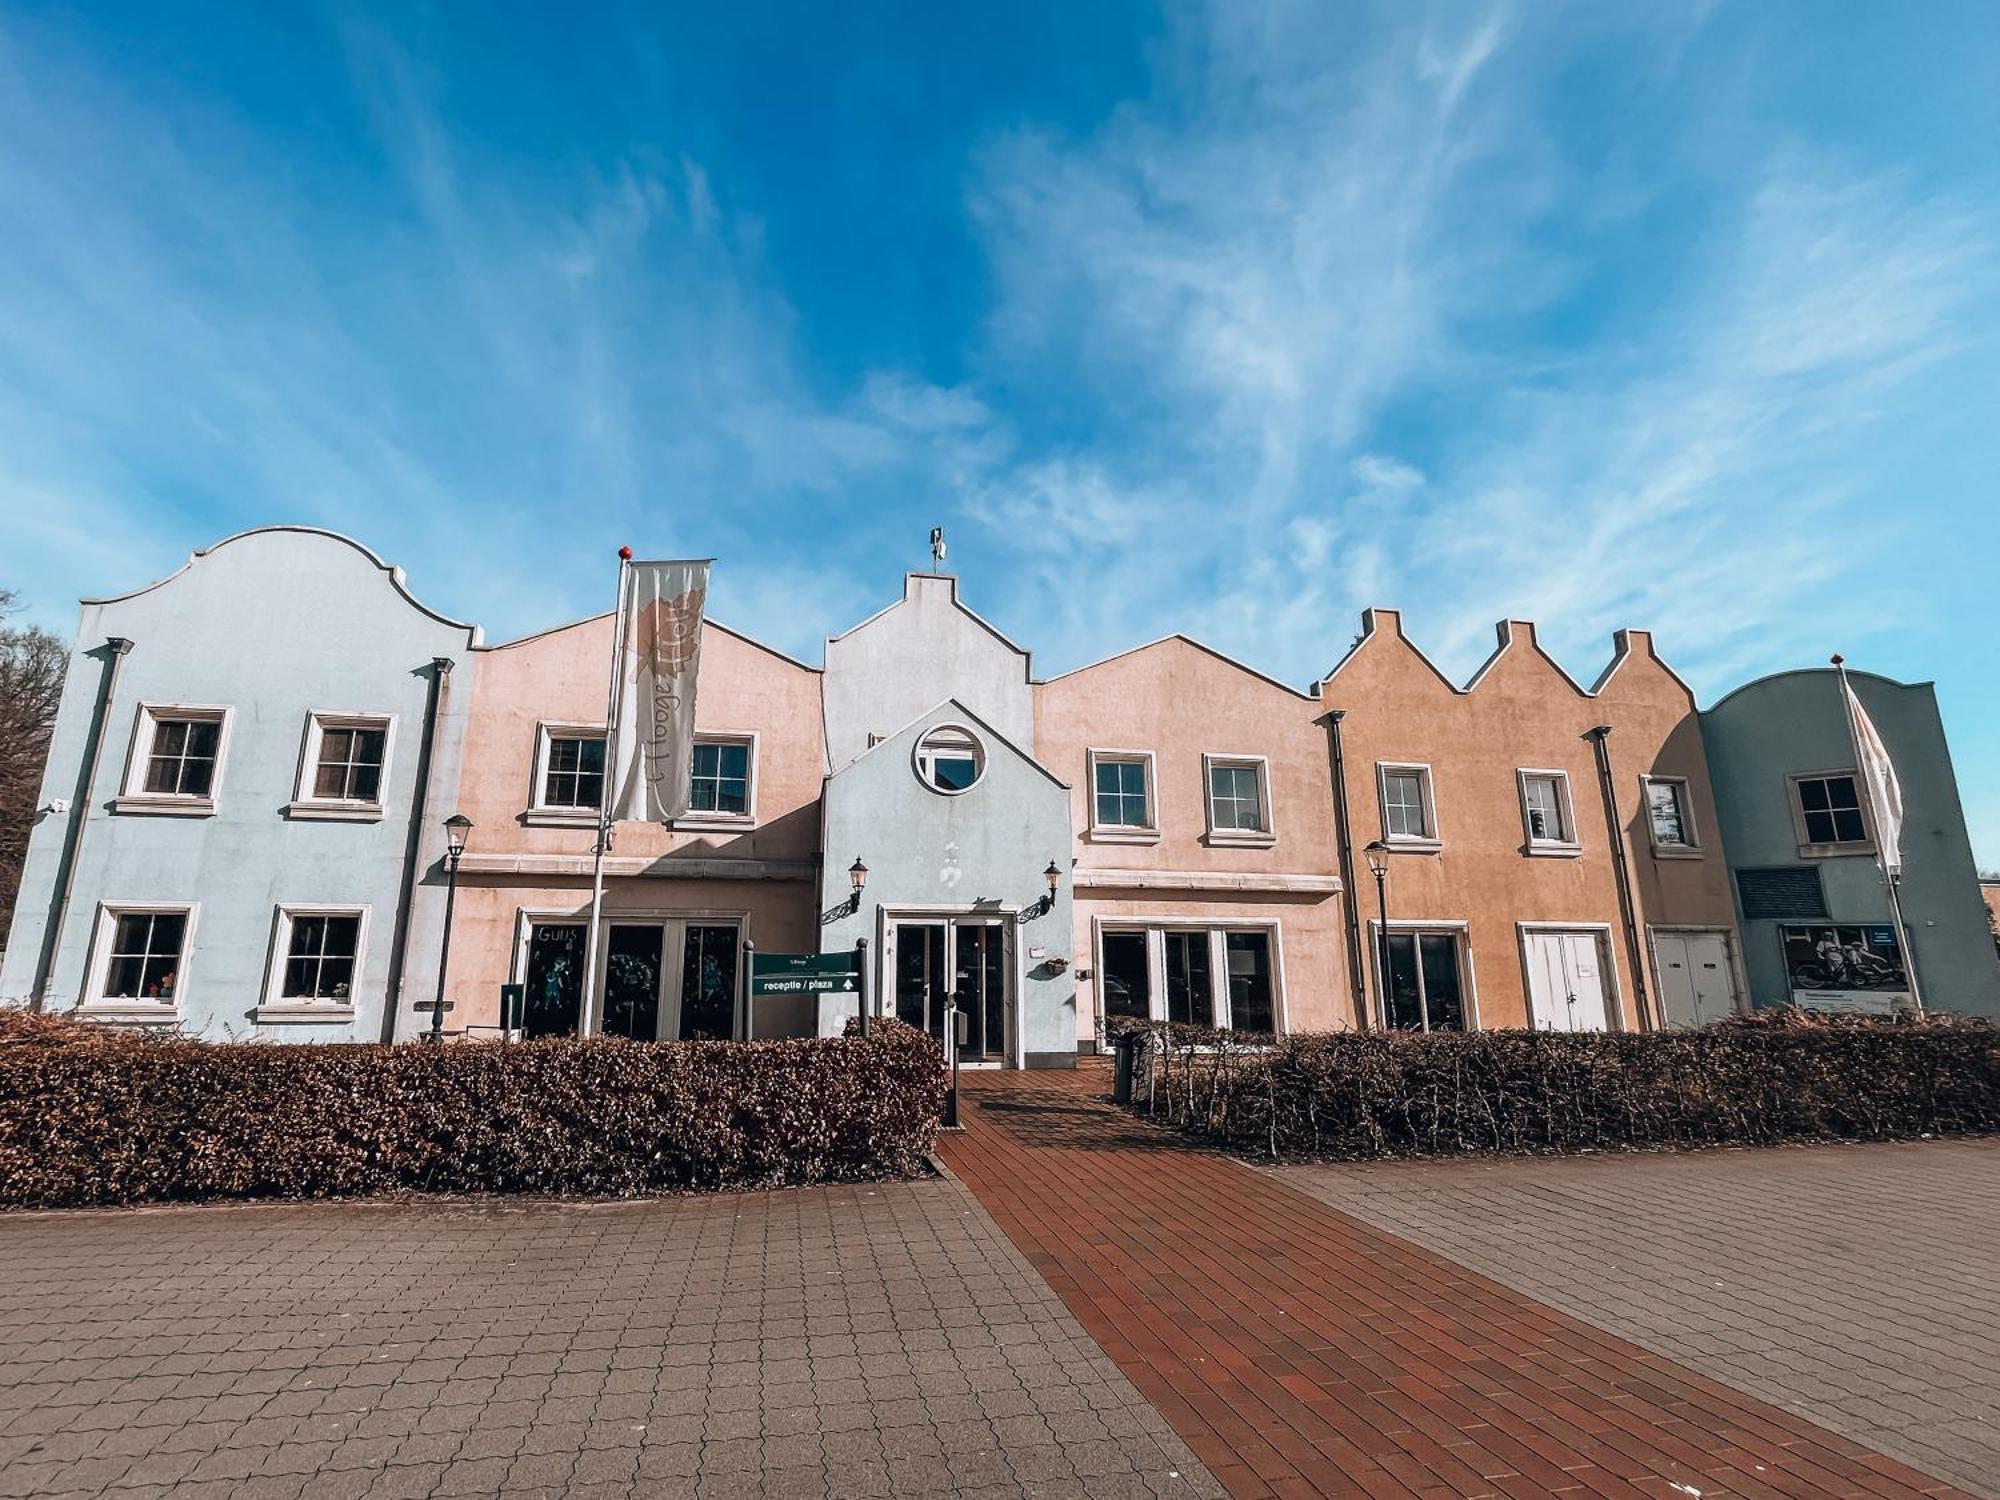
1231 319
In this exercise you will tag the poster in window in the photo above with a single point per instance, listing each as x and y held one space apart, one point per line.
1850 969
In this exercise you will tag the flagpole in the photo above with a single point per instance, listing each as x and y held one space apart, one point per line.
1867 785
590 1021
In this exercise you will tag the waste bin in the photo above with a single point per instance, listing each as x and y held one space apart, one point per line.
1133 1078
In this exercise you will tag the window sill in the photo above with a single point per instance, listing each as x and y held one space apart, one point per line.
119 1013
1238 838
1836 851
302 1015
713 823
1116 835
1676 851
1548 850
1414 846
165 807
560 817
335 812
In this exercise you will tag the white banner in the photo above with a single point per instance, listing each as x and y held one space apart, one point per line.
1885 793
653 737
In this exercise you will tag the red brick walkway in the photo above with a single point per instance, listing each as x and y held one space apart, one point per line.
1301 1352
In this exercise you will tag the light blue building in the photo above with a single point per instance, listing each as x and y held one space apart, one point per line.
236 833
1815 914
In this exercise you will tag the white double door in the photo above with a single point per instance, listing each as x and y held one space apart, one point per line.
1697 980
1566 988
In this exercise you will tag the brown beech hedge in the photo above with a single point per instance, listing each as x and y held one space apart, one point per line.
90 1115
1776 1076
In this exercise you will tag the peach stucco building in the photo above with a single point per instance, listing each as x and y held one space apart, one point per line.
1539 870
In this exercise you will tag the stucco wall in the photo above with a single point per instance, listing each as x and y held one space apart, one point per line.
515 863
1794 722
273 624
1521 712
923 649
1180 701
985 848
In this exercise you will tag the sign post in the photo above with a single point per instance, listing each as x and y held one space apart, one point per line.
807 976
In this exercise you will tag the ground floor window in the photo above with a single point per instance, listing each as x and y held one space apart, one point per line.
664 979
141 953
321 950
1425 991
1191 975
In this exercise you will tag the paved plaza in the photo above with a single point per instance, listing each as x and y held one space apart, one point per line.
1856 1285
1080 1306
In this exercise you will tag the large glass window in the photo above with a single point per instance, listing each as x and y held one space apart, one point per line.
721 777
708 984
349 765
320 956
1424 982
574 776
554 979
1190 982
633 964
145 957
1121 794
1831 809
1248 956
181 759
1125 978
1236 797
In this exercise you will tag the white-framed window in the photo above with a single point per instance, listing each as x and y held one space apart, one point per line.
138 960
950 759
1222 974
1547 817
1423 976
316 957
1238 799
177 757
1669 815
1827 811
1121 797
722 778
1409 806
569 773
344 766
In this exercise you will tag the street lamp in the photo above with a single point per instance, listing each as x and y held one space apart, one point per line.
857 877
1054 878
456 827
1377 853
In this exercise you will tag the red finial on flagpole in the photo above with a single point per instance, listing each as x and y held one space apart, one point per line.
1838 658
625 554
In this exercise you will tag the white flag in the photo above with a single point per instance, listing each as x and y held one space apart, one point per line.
1885 793
653 737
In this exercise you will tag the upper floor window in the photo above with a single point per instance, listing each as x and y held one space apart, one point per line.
1827 806
950 759
1239 799
1121 785
177 755
346 758
721 777
1546 813
1409 813
1668 817
572 769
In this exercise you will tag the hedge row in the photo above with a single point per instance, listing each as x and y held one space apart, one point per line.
90 1115
1777 1076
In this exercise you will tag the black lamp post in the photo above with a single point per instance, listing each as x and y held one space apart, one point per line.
456 827
1378 866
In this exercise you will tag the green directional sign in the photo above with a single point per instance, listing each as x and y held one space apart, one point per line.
805 974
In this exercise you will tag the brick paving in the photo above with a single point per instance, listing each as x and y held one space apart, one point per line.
839 1342
1854 1284
1300 1351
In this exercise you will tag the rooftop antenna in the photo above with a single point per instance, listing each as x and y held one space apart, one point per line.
937 548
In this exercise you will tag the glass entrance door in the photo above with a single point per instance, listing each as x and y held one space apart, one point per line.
708 983
633 965
967 958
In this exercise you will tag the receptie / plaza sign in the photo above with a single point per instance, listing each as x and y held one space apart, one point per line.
805 974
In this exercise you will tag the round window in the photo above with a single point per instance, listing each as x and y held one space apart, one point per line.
950 759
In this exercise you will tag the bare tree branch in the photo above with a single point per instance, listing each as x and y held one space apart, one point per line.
32 663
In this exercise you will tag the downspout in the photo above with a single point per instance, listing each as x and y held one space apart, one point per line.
399 950
86 783
1337 756
1600 738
